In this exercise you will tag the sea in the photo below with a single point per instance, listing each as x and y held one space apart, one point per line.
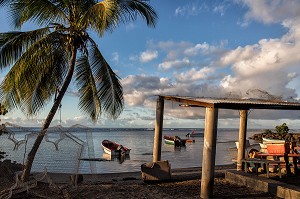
81 152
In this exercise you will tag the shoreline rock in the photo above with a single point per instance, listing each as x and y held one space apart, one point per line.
278 136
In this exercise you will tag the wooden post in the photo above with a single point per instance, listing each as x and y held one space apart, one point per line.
242 139
209 152
158 129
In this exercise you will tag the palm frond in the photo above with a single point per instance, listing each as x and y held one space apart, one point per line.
107 14
88 100
14 44
46 62
101 16
130 8
109 88
5 2
42 12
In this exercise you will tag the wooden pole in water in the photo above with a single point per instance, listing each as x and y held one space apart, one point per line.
242 139
158 129
209 152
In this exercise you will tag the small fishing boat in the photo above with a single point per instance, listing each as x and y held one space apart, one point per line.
189 140
270 141
114 149
193 134
174 140
273 141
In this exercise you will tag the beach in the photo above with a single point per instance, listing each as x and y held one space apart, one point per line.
123 179
185 183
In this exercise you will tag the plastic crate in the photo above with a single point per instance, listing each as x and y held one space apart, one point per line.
278 148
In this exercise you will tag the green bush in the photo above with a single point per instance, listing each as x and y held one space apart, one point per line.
3 110
267 131
282 129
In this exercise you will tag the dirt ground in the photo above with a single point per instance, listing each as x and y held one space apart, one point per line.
184 184
137 189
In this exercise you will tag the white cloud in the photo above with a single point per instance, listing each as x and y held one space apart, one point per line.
195 49
115 58
220 9
269 65
130 26
174 64
148 55
271 11
195 75
135 98
133 58
191 10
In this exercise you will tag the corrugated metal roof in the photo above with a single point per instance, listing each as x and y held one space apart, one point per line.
240 104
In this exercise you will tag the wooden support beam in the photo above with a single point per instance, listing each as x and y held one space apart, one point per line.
242 139
209 152
158 129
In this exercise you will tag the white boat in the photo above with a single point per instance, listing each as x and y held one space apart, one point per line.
273 141
263 146
174 140
114 149
270 141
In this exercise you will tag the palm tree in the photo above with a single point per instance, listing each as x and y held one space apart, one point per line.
46 59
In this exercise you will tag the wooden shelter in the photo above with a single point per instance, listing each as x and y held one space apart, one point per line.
212 106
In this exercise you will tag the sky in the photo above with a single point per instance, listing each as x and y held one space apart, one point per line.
199 48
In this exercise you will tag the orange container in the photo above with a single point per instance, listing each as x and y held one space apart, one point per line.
278 148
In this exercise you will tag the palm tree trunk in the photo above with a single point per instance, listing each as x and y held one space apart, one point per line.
35 147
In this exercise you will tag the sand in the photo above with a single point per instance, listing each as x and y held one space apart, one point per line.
185 183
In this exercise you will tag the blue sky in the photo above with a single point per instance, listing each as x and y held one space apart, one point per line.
198 48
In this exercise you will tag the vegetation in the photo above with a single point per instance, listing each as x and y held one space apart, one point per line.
282 129
281 133
3 110
267 131
45 60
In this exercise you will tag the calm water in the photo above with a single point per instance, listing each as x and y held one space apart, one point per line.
64 157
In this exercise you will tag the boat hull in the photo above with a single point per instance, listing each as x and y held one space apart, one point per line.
177 142
114 149
272 141
266 141
195 135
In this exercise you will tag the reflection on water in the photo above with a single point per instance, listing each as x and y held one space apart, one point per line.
118 158
64 156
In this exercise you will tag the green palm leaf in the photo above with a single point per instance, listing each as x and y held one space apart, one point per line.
46 66
88 100
109 88
101 16
42 12
14 44
107 14
130 8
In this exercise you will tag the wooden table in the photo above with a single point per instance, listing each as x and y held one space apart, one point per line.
286 156
257 162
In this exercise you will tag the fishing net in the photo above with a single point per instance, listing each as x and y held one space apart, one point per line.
60 150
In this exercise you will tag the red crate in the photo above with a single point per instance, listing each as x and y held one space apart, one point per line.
278 148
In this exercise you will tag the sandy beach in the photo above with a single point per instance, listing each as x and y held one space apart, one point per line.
185 183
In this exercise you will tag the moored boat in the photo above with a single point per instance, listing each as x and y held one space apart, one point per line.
189 140
174 140
266 141
193 134
273 141
114 149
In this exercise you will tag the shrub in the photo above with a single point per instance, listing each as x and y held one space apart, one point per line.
282 129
